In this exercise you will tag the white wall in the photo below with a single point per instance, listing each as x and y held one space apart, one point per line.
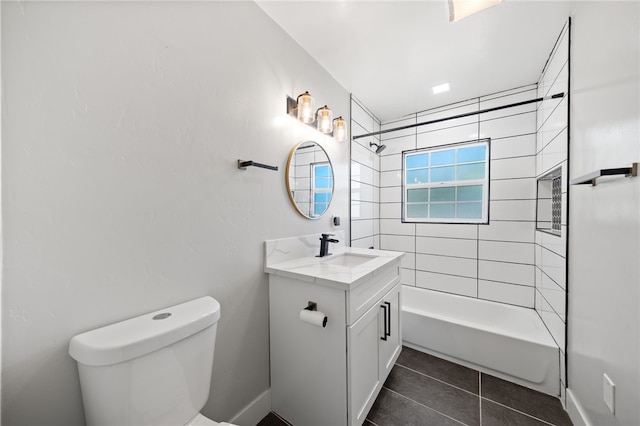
493 261
604 242
122 125
552 148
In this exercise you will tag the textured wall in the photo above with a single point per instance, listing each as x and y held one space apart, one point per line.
122 124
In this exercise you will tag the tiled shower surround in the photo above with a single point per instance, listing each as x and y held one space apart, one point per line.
506 260
552 149
493 261
365 179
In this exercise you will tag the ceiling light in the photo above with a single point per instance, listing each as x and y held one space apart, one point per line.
459 9
440 88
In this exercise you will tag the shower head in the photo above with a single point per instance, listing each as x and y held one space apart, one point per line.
379 148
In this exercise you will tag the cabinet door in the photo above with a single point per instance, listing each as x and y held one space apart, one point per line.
391 345
364 364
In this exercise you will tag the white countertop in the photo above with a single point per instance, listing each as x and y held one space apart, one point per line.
319 270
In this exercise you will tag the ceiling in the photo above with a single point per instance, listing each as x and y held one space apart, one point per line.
390 54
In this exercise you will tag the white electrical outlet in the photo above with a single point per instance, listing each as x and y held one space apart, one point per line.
609 393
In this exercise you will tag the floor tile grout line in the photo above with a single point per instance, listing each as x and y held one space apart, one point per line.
438 380
517 411
459 388
480 394
425 406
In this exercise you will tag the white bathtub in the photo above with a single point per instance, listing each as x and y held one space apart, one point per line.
502 340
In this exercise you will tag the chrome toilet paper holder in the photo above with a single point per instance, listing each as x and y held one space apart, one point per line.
311 306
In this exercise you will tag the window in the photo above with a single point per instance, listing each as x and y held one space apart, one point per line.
322 184
447 184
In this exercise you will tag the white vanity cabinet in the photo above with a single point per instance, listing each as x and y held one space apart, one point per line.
373 346
332 375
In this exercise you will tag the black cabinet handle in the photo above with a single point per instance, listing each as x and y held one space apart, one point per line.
389 317
385 322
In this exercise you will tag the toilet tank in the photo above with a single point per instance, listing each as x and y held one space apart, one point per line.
154 369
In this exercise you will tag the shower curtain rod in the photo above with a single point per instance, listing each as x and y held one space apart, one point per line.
453 117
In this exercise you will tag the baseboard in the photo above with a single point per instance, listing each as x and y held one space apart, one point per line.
255 411
576 412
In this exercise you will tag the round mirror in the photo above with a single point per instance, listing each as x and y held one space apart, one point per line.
309 179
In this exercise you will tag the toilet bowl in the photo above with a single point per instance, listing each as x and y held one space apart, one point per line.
152 370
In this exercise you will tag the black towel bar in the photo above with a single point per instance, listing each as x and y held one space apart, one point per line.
242 164
590 179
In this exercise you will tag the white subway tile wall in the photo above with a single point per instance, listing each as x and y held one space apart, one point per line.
514 167
507 232
501 251
495 261
447 283
449 265
459 133
513 189
515 210
552 147
508 273
517 146
365 179
502 292
455 247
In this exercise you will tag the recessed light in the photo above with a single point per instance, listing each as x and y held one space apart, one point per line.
440 88
459 9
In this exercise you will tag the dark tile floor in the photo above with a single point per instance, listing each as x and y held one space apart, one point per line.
423 390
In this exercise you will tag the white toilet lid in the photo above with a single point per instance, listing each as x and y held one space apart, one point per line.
201 420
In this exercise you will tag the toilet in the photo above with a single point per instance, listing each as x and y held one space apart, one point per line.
153 370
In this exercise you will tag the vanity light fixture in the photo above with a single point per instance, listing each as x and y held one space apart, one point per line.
305 106
324 120
339 129
321 119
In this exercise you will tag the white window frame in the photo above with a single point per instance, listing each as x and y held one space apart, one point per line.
484 182
315 190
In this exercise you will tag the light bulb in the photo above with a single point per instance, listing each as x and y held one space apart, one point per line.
325 122
340 129
306 107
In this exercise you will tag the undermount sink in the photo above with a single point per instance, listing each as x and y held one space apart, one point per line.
348 259
347 268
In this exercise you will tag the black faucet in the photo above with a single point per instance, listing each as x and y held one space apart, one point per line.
324 244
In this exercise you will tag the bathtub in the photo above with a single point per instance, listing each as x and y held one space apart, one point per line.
505 341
